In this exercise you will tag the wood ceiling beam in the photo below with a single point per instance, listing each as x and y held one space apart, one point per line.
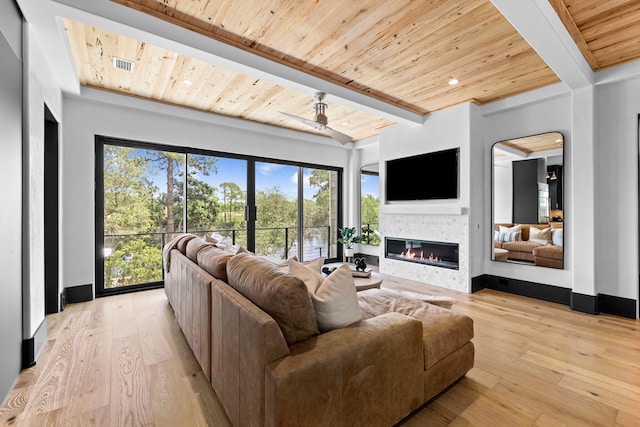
570 25
540 26
113 17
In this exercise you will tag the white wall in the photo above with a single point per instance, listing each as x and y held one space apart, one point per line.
101 113
616 238
503 192
531 119
441 220
39 89
10 214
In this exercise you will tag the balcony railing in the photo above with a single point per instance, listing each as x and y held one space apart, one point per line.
136 258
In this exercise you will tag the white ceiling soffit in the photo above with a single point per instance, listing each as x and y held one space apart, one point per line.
140 26
538 23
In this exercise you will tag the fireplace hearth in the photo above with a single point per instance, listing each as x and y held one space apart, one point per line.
438 254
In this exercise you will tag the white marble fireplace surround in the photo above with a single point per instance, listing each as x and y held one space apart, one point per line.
451 228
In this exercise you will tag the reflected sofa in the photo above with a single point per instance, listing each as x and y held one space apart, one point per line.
253 330
525 250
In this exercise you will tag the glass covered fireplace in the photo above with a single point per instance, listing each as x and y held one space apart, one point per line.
439 254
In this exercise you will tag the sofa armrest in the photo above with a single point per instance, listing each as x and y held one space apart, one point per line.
369 374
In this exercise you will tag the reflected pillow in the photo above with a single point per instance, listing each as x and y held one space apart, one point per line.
507 236
557 236
540 236
514 229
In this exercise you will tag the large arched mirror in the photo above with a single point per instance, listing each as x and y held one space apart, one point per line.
528 219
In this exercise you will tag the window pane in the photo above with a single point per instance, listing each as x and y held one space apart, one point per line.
216 197
320 213
139 212
369 207
277 210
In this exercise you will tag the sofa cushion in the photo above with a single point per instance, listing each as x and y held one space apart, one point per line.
334 298
181 245
443 331
523 246
550 251
194 246
214 261
281 295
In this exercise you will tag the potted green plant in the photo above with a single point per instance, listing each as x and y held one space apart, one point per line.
347 237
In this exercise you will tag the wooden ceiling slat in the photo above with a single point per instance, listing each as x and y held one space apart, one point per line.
607 27
401 52
159 74
385 49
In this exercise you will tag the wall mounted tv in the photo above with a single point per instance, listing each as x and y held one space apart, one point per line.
429 176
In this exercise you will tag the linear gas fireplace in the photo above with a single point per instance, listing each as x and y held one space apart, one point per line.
439 254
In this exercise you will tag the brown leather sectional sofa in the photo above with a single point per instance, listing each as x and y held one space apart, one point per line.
271 366
524 250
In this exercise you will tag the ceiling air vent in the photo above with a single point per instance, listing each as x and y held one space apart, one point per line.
123 64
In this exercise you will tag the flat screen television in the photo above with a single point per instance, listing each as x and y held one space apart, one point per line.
429 176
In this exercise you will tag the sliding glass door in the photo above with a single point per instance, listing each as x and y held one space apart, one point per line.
139 205
148 194
216 198
320 196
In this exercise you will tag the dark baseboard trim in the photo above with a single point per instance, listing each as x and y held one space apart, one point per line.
77 294
584 303
32 347
522 287
617 306
601 303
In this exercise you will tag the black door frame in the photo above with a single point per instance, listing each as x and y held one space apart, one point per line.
51 216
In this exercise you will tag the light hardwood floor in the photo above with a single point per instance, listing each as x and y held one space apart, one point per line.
122 361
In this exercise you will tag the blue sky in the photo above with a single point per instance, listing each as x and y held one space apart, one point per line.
268 175
369 185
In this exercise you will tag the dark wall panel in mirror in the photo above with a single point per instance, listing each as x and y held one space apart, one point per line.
527 194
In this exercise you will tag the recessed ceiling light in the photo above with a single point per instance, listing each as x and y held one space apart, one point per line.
187 82
453 82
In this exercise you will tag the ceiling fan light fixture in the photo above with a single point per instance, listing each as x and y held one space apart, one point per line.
320 120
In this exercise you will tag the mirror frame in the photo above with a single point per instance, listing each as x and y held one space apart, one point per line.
549 219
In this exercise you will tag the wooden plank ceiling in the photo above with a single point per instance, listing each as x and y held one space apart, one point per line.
159 74
607 32
535 143
403 52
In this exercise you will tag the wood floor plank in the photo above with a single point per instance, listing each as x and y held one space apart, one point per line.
130 388
123 360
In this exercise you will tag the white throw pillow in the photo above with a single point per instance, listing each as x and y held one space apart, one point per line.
541 236
557 236
334 299
514 229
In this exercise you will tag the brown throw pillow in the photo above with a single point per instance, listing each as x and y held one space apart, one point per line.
284 297
214 260
194 246
182 244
